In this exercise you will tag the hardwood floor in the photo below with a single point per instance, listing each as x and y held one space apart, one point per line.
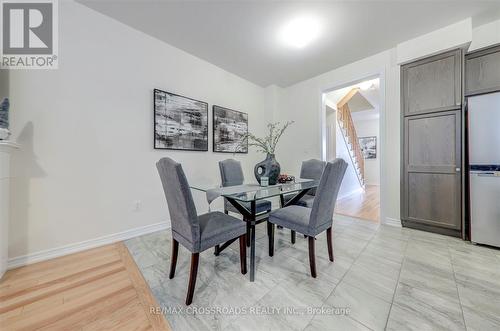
364 205
98 289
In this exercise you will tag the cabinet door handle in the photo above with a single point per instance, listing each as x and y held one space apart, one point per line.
457 169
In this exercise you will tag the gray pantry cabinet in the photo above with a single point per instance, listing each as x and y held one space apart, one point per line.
431 169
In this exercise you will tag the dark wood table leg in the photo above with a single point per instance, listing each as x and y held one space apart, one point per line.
220 248
250 217
243 254
295 198
252 241
270 227
249 230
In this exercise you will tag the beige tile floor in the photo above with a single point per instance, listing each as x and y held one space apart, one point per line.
387 277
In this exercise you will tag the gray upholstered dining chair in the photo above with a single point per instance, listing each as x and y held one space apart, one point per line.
232 174
311 169
196 233
313 221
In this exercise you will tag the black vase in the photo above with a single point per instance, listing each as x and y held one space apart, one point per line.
268 168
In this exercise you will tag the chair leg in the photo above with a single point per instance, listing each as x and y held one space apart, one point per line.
312 258
249 229
270 229
329 242
226 212
195 257
293 236
216 250
173 258
243 254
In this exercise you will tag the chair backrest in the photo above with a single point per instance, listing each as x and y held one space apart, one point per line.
181 207
231 172
326 195
312 169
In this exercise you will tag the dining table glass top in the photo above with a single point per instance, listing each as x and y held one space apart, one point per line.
253 192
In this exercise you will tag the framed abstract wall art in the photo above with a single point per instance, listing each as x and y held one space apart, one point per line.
368 147
180 123
229 129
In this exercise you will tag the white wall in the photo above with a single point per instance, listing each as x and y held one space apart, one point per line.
458 35
485 35
86 132
86 128
5 177
331 134
4 183
305 98
4 84
350 182
303 103
370 128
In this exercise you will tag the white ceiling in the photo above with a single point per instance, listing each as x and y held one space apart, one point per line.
241 36
359 103
369 89
364 105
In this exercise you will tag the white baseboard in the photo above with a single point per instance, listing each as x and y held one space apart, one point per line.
84 245
392 222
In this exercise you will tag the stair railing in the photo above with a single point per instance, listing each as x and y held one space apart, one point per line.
345 120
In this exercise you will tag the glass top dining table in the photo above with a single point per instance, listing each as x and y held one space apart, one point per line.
253 192
244 198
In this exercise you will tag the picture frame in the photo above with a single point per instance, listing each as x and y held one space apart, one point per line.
180 123
368 147
229 126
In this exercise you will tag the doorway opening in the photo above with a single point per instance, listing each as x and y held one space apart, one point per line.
352 127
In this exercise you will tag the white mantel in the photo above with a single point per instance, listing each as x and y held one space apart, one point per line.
6 149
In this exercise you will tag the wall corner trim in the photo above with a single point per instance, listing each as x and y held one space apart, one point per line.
47 254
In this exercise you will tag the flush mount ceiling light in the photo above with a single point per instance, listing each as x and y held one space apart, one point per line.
300 31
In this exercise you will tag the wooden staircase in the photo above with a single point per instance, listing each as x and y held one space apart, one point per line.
346 124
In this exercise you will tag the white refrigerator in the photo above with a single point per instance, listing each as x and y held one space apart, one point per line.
484 160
